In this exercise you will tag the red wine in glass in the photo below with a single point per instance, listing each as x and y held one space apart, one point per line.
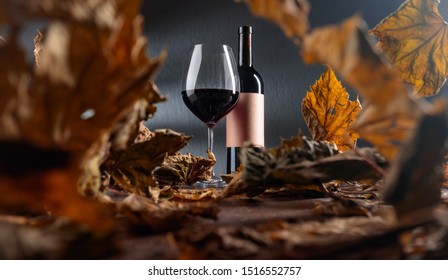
210 104
210 89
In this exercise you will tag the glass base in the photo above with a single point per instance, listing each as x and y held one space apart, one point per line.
215 182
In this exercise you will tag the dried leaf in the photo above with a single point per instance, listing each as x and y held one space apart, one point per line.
445 171
349 199
290 15
37 47
196 194
389 115
301 162
336 230
415 39
302 148
415 179
179 169
263 170
99 13
92 71
36 181
58 239
328 112
163 215
132 168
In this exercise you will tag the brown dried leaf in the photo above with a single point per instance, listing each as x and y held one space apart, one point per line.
301 162
196 194
37 47
262 170
290 15
328 112
163 215
414 181
179 169
332 231
132 168
58 239
389 115
303 148
37 181
93 71
415 39
98 13
445 171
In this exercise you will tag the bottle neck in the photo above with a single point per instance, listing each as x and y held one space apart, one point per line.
245 49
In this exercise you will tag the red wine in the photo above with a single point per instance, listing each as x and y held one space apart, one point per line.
246 122
210 104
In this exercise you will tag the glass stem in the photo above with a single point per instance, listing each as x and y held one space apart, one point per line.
210 144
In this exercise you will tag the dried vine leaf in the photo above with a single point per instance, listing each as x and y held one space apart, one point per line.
329 113
179 169
290 15
389 114
132 168
415 39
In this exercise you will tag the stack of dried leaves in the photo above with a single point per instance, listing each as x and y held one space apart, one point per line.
79 107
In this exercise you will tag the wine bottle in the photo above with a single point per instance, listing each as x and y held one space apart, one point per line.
246 121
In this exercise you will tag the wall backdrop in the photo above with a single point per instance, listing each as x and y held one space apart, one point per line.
176 25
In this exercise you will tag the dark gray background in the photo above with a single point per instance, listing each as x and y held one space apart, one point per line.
176 25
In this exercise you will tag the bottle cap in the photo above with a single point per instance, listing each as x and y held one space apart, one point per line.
245 28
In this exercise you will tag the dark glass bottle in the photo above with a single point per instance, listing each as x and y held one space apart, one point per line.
246 121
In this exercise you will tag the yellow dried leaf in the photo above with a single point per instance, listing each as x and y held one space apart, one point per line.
290 15
415 38
328 112
389 114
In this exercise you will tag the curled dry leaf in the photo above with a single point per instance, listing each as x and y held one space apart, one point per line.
415 39
263 170
389 115
132 168
301 162
414 181
349 199
178 169
196 194
290 15
328 112
303 148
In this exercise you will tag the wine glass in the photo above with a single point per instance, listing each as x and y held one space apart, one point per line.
210 89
